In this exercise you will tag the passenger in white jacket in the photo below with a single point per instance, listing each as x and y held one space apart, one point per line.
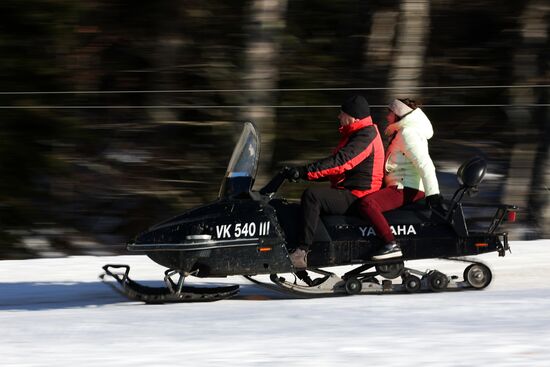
409 172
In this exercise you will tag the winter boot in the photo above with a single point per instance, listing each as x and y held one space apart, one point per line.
299 259
390 251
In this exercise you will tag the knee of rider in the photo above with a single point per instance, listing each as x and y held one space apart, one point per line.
367 204
309 195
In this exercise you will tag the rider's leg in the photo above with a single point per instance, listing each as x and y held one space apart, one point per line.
317 201
372 206
322 200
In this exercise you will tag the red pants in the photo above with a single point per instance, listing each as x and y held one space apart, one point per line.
373 205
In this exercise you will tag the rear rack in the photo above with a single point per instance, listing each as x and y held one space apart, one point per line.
455 215
500 214
456 218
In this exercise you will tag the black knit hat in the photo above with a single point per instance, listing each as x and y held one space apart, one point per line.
357 107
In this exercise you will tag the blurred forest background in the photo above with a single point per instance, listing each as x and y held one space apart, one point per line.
115 114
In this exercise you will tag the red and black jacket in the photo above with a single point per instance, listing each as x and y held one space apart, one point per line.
357 163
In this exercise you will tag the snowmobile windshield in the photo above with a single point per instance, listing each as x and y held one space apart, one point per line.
241 171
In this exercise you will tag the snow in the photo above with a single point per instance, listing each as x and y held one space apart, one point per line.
55 312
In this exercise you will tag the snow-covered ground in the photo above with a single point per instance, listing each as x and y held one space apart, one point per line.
55 312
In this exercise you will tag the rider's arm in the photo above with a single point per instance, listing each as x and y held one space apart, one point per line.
358 147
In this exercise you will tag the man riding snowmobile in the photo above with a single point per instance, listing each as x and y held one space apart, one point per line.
355 169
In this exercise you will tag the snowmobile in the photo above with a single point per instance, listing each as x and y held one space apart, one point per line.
251 233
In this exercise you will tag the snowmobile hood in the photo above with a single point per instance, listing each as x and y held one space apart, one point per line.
416 120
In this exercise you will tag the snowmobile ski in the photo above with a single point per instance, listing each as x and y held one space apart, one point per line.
172 293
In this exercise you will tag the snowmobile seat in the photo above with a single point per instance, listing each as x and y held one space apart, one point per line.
408 214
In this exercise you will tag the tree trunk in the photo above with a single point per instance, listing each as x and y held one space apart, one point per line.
381 37
536 32
527 181
164 60
540 185
267 20
410 48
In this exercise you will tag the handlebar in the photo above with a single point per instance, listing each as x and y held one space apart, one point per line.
275 183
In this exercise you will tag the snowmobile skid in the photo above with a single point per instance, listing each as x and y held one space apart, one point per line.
248 233
172 293
360 281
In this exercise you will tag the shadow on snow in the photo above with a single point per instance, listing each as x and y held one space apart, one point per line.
38 296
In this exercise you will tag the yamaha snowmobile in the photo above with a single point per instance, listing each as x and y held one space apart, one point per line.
249 233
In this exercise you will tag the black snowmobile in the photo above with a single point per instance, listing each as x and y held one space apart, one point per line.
250 233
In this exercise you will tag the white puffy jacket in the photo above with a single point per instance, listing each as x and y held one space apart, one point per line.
408 162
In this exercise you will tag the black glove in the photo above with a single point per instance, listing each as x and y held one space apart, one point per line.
293 174
435 202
